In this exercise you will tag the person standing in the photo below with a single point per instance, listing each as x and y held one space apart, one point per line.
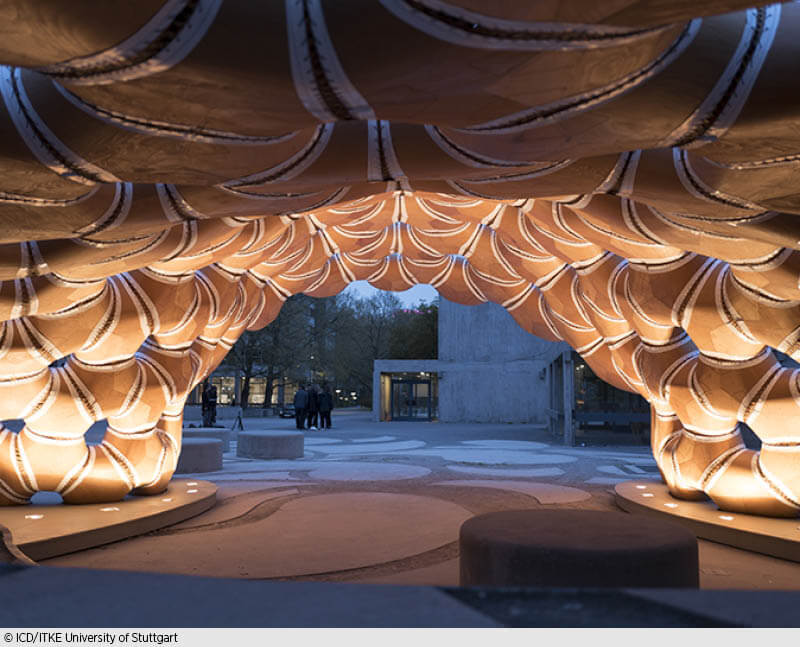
205 406
300 406
313 407
325 407
212 405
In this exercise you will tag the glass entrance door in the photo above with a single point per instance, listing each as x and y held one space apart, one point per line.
411 399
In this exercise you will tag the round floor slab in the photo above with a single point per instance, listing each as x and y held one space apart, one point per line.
493 456
509 472
361 529
315 440
367 472
543 492
372 447
506 444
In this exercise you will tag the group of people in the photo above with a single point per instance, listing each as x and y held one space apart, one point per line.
313 406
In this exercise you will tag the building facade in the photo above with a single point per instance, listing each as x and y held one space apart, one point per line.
488 370
491 370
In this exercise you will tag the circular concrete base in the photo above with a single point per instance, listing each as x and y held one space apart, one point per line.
270 444
41 531
779 537
576 548
200 455
209 432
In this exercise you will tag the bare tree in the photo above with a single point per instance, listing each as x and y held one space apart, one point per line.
415 333
364 337
272 351
334 340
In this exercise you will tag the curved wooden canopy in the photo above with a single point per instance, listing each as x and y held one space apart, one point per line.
619 175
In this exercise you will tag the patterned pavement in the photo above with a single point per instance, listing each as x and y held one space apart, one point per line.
383 502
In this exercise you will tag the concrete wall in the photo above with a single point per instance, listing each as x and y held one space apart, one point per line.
490 369
485 333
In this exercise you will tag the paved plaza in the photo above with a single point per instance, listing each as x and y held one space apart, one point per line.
383 502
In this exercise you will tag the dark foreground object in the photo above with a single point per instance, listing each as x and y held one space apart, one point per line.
576 548
67 597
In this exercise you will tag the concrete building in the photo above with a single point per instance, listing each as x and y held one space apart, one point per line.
491 370
488 370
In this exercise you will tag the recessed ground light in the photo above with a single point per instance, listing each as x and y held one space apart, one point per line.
110 509
167 500
671 505
641 487
726 517
191 491
647 494
34 516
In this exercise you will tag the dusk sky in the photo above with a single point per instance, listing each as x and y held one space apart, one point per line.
410 297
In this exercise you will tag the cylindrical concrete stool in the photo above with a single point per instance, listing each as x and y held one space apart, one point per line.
200 455
270 444
204 432
576 548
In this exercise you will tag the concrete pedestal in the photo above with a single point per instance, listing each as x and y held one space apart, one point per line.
779 537
270 444
200 455
44 530
210 432
576 548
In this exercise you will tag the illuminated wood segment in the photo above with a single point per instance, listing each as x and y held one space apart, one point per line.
621 176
